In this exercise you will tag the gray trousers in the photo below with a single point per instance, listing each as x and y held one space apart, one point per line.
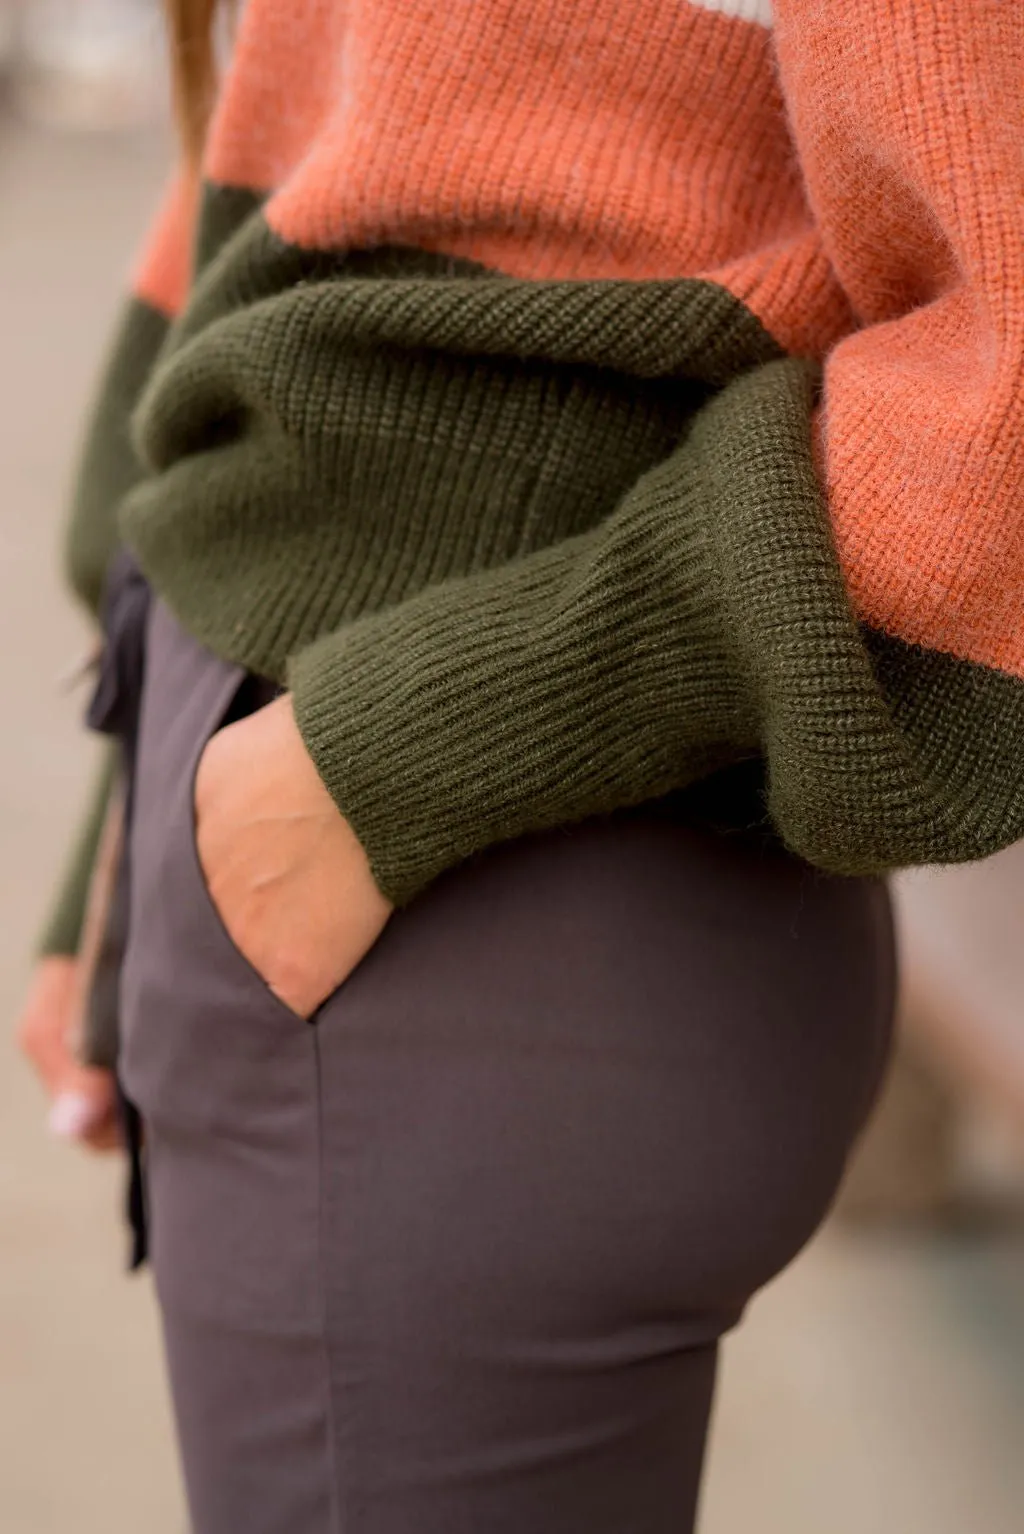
454 1257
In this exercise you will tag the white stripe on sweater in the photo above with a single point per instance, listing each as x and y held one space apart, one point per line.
759 11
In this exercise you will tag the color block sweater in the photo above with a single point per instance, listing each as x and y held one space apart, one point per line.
574 402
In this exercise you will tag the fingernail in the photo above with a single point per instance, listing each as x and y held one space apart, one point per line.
71 1115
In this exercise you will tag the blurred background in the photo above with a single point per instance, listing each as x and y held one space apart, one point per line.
876 1388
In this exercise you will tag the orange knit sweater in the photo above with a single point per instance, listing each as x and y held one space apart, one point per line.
854 173
489 417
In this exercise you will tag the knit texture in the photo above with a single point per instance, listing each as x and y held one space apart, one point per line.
702 622
853 176
110 466
570 410
330 444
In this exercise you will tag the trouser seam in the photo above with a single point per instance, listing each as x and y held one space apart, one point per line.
330 1425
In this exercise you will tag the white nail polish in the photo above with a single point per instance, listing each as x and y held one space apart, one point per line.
70 1116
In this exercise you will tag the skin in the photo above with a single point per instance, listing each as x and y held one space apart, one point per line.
45 1035
287 874
291 882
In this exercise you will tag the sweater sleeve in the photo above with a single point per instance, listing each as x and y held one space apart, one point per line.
63 926
108 467
832 581
705 621
108 464
909 122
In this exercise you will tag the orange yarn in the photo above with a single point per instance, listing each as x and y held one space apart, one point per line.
855 178
910 123
164 272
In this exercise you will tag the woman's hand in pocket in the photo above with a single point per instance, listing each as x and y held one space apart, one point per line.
283 867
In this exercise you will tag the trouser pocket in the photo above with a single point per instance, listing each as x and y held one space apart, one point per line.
221 1071
184 977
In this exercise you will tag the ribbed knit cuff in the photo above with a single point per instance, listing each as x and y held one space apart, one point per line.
561 686
63 928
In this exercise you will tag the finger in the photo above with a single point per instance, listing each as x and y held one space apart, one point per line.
85 1106
302 1002
48 1051
106 1136
96 1131
43 1029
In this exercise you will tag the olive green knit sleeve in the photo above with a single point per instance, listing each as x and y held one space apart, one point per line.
63 926
703 621
108 466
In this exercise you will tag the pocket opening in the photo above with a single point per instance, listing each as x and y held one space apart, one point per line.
237 706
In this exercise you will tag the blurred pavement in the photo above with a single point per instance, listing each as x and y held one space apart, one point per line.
877 1389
